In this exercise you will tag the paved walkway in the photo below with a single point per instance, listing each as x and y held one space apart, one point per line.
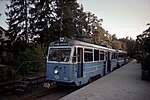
123 84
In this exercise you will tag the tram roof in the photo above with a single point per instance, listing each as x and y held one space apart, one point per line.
121 51
71 42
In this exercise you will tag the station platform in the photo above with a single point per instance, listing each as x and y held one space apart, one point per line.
122 84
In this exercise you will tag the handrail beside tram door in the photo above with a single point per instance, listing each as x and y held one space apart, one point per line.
80 63
107 66
108 62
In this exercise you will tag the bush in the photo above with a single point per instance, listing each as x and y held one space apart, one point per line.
146 63
6 74
29 54
139 58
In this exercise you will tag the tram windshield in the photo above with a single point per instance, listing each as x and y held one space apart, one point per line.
59 54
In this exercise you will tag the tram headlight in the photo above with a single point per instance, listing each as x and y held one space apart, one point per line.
56 71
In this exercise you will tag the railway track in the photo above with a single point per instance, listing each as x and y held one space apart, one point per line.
53 93
38 94
58 93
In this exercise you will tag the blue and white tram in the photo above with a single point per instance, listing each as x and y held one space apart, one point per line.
122 56
111 59
75 62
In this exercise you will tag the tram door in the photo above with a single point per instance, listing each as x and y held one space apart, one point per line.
108 62
80 62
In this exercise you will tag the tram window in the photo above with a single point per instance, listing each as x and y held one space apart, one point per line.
96 55
59 54
112 55
116 55
88 55
74 56
120 55
101 55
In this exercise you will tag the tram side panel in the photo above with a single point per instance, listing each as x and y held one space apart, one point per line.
85 62
113 61
121 59
59 72
110 62
92 66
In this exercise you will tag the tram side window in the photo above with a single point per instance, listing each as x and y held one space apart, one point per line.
115 56
101 55
120 55
112 55
96 55
88 55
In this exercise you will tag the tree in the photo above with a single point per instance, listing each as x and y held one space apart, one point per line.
147 40
130 46
142 41
43 16
72 18
18 19
51 19
68 13
147 45
114 37
94 27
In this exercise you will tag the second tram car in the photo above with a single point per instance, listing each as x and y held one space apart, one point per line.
122 57
74 62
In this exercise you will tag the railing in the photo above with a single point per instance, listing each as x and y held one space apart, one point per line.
26 69
29 68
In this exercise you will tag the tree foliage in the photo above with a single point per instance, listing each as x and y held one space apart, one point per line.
43 15
143 41
130 46
38 22
147 45
18 19
147 41
31 53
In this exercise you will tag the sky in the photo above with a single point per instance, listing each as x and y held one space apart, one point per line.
2 11
121 17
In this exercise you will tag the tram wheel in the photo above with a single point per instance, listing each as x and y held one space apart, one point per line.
90 80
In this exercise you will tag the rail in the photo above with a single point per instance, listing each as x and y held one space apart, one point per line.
25 69
26 62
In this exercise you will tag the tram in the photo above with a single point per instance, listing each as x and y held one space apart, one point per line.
74 62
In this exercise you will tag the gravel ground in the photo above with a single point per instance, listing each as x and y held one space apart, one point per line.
123 84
